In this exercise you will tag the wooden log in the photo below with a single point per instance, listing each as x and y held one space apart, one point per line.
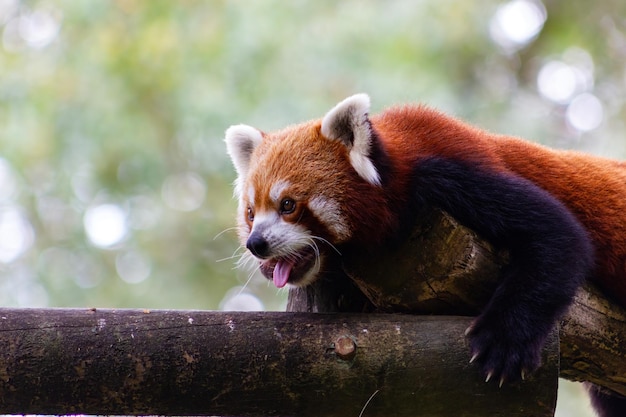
133 362
593 341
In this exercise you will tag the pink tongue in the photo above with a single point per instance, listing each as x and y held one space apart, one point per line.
281 273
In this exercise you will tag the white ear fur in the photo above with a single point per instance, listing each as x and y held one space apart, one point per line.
347 122
241 140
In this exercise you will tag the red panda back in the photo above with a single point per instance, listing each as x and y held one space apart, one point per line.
593 188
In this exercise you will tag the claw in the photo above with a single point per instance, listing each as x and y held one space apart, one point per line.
468 330
523 375
501 382
474 357
489 375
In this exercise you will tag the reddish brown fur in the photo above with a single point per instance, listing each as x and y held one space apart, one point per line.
593 188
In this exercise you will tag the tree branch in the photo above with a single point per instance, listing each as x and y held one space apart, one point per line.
132 362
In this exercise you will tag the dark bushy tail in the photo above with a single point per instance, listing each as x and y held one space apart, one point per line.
605 402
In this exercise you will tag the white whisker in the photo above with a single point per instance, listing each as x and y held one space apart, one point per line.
225 231
328 243
250 276
245 259
233 256
316 251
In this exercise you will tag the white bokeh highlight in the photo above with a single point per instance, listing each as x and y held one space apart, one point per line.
585 112
558 82
34 29
105 225
16 234
516 23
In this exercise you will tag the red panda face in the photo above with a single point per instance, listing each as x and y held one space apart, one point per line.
296 189
286 232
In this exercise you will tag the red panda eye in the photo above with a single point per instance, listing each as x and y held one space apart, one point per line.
287 206
250 214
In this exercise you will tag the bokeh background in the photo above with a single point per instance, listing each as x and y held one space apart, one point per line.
115 188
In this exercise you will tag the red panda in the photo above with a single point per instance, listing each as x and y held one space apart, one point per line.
351 181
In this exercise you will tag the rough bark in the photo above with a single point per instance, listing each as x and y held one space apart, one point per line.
444 268
132 362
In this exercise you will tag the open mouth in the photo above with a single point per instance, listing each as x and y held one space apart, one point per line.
292 269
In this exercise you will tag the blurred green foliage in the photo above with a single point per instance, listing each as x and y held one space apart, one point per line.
122 105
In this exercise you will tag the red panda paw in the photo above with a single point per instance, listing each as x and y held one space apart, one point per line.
503 354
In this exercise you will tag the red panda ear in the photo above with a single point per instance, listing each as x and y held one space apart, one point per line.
241 140
347 122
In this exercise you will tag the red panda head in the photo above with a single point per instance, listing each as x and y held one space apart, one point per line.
305 190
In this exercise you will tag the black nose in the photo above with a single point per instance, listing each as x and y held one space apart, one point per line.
258 245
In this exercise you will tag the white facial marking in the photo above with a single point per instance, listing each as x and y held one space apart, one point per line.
284 238
329 213
277 189
264 220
